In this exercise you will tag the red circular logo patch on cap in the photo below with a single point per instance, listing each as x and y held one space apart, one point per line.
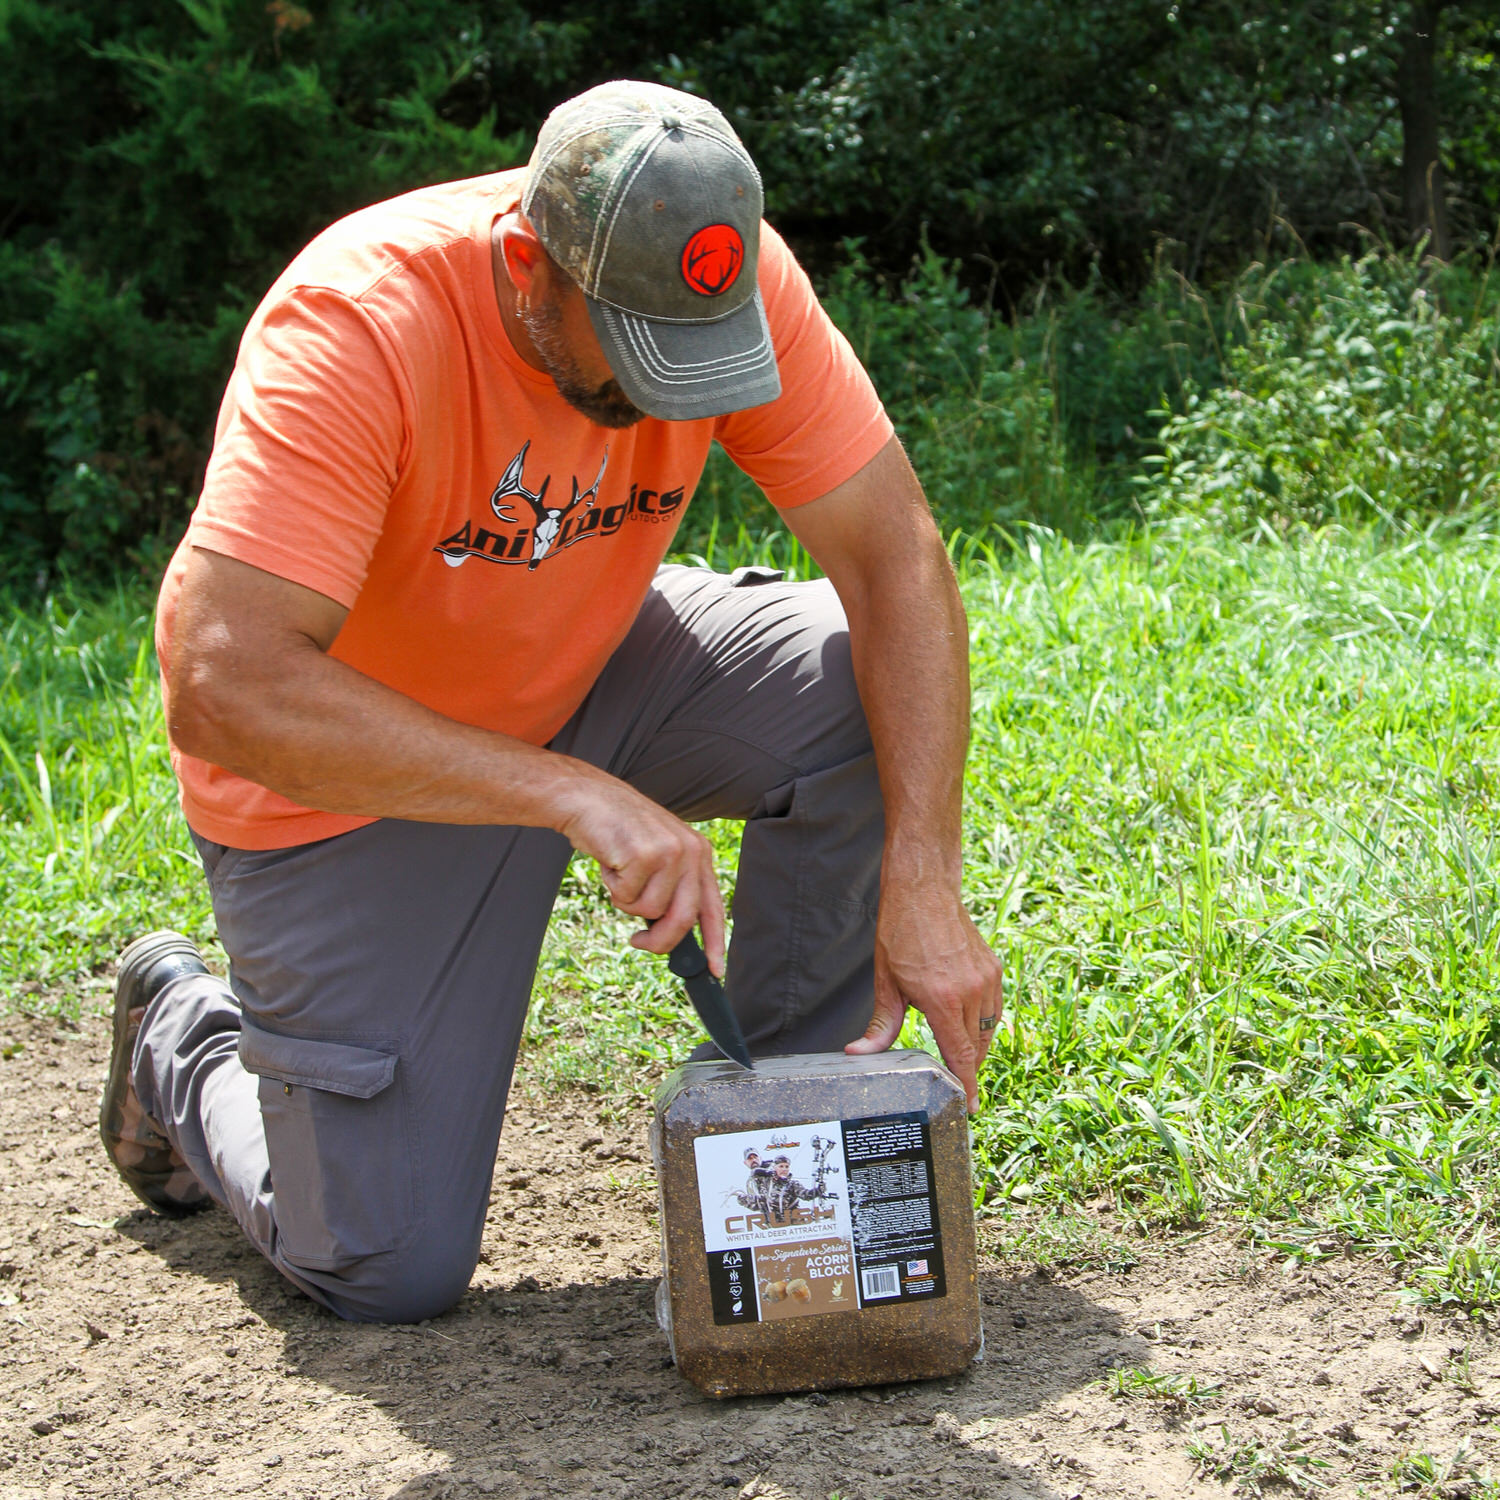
711 260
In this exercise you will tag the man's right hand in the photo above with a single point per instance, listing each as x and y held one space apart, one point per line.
652 864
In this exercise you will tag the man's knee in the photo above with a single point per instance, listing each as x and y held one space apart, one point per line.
401 1286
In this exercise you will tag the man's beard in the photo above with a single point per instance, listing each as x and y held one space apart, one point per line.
605 404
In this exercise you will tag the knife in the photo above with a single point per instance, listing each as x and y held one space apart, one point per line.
688 963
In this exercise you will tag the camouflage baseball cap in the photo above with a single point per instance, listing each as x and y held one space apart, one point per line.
646 198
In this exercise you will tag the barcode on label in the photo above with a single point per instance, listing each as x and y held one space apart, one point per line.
881 1281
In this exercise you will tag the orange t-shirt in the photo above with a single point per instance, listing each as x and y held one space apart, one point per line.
382 442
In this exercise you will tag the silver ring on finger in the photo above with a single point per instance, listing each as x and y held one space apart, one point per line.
988 1023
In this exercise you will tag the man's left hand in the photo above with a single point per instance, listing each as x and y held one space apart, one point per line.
929 955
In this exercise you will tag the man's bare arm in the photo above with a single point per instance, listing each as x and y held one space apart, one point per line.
875 539
254 690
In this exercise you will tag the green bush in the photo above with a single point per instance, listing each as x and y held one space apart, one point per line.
97 408
160 163
1357 391
1044 418
1048 137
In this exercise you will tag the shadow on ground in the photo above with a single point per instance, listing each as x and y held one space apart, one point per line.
140 1356
532 1390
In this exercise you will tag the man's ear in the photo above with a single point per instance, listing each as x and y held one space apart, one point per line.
521 253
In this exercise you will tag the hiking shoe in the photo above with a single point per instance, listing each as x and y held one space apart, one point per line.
137 1145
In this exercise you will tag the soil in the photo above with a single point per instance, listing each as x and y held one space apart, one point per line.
141 1356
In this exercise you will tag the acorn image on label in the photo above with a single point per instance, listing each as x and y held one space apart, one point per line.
817 1222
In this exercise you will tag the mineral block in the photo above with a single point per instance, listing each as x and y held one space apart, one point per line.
817 1222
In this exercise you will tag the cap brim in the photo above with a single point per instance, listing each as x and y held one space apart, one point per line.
681 371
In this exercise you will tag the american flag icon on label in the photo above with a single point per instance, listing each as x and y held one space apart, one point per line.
916 1268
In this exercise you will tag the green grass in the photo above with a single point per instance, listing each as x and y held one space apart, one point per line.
92 847
1434 1477
1232 826
1172 1388
1252 1465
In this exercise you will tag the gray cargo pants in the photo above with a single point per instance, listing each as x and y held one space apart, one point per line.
342 1095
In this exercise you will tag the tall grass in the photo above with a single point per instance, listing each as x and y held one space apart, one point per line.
1233 825
1233 794
1040 419
92 847
1292 394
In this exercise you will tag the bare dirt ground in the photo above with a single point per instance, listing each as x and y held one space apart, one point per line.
140 1356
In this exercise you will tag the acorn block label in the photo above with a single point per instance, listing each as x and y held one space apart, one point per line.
819 1218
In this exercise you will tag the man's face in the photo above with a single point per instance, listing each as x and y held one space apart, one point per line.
752 1159
564 339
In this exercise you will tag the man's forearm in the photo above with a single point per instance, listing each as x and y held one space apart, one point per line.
252 688
876 540
910 645
909 637
322 734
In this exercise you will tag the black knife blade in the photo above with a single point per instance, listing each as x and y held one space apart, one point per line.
688 962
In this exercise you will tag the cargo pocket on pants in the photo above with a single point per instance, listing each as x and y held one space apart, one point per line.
337 1139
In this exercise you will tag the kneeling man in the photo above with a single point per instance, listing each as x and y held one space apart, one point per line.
419 645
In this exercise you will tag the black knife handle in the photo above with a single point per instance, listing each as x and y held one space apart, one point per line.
687 959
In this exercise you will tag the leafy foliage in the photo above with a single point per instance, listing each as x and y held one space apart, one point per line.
160 162
160 165
101 409
1359 391
1043 135
1251 1463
